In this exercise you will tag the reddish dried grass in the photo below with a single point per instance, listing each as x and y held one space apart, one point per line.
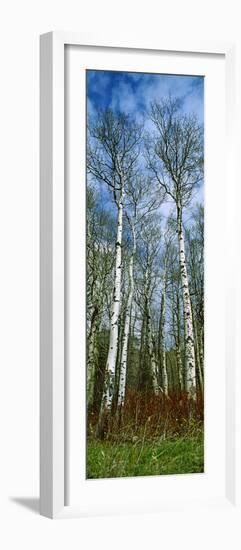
154 415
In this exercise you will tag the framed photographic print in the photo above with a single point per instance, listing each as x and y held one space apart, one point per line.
138 395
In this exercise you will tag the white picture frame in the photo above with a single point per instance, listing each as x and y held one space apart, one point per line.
53 427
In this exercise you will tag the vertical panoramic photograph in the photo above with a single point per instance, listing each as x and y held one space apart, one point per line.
145 274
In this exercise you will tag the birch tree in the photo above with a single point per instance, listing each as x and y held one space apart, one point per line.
123 363
175 299
162 320
141 201
149 258
151 351
112 153
195 242
99 262
176 160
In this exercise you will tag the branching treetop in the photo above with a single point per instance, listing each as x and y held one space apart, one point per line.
175 153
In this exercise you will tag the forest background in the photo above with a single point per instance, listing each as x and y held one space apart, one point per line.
145 278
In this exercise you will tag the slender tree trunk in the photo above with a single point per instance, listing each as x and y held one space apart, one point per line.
198 340
92 352
179 367
177 336
162 343
108 392
123 364
154 367
198 361
188 321
178 346
118 358
146 337
201 350
142 354
171 374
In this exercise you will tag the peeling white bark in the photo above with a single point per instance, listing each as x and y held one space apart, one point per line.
115 312
123 364
188 321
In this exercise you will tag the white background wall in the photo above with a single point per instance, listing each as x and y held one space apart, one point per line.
21 22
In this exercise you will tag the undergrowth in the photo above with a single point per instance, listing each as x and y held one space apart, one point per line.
151 436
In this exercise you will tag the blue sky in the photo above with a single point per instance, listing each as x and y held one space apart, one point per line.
132 93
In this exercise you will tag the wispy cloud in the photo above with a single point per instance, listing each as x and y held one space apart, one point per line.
132 93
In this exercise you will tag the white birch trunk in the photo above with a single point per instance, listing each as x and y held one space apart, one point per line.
115 314
123 364
188 321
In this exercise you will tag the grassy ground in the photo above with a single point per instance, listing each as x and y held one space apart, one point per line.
181 455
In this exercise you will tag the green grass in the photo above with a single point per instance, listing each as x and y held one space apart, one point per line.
108 459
